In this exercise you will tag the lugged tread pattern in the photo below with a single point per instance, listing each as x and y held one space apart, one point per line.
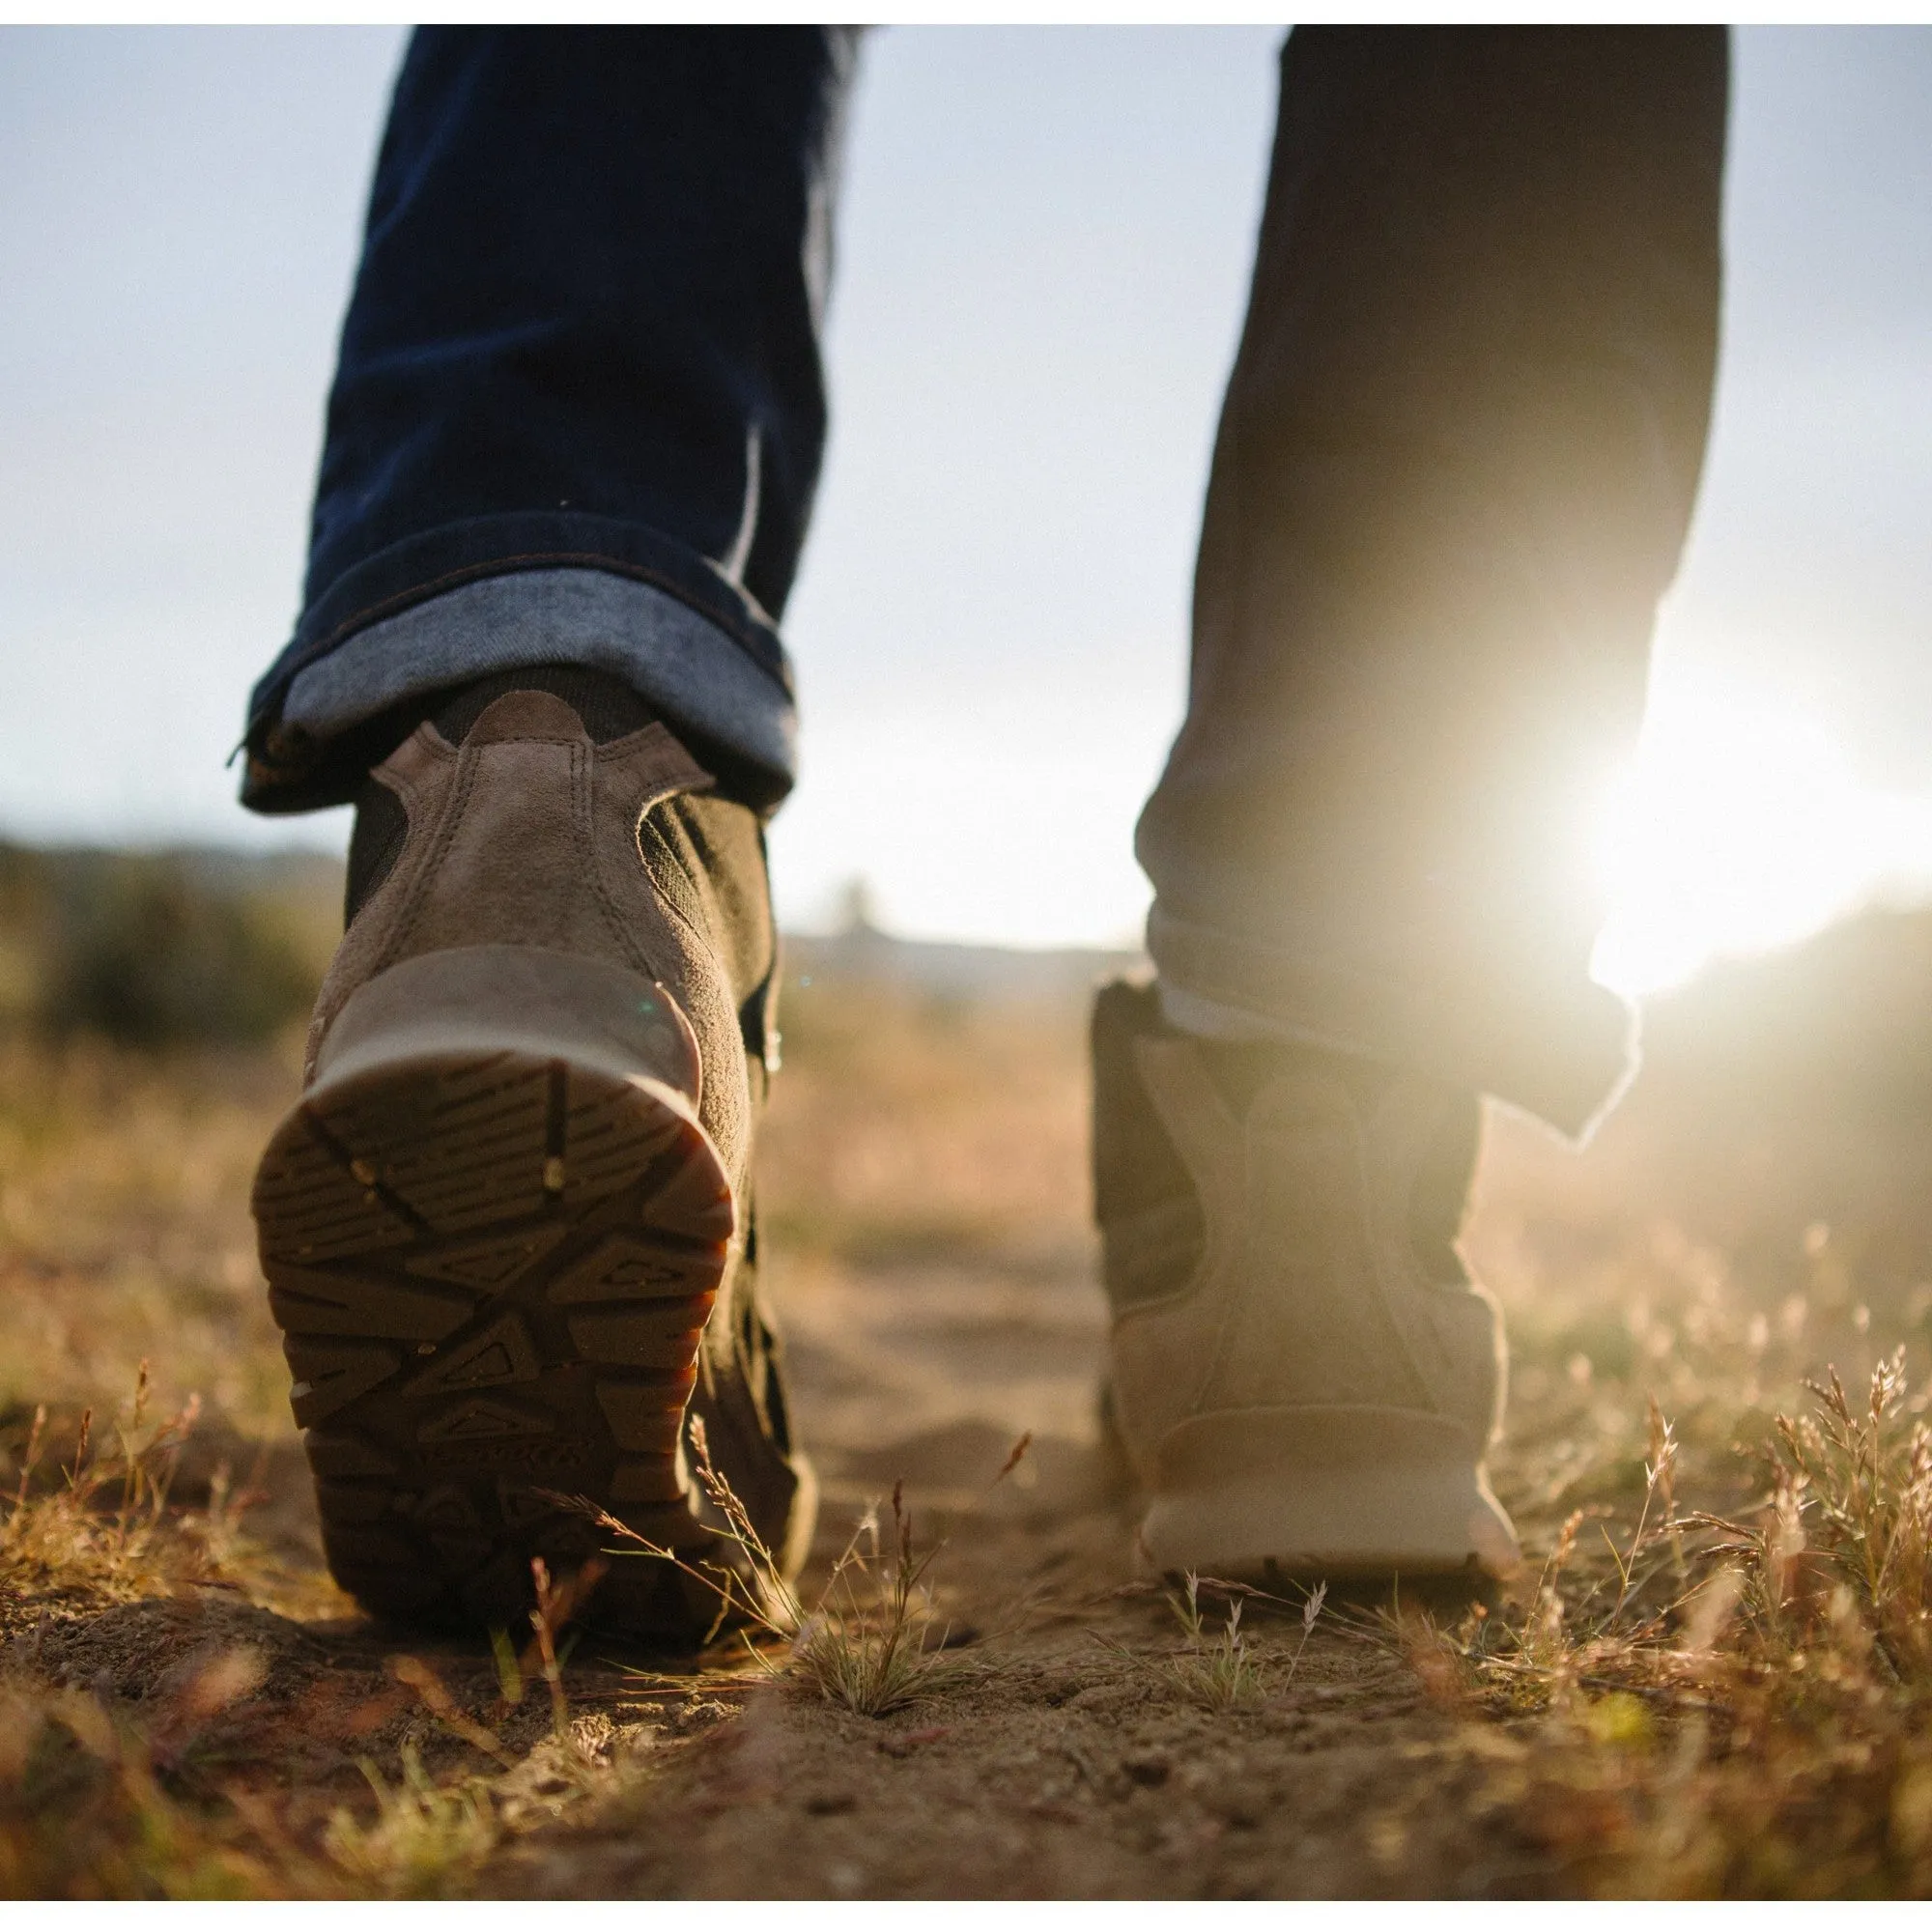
492 1273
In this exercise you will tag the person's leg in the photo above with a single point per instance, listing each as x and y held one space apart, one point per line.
571 452
579 410
1452 480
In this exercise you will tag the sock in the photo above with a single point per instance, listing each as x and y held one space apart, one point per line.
607 706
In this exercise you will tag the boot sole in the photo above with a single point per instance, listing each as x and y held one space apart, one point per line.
1352 1492
493 1238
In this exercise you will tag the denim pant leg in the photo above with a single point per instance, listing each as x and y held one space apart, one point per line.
1453 477
579 410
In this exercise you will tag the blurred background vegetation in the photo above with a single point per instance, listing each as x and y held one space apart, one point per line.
162 950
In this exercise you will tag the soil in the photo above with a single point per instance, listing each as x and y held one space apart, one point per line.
923 1202
1067 1763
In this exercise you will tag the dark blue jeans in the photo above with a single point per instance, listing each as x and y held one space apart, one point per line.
579 411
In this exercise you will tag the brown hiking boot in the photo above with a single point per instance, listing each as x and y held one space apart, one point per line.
1303 1376
506 1228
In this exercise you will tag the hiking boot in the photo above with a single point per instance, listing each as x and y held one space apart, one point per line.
506 1228
1303 1378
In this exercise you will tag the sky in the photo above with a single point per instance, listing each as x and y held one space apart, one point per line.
1043 249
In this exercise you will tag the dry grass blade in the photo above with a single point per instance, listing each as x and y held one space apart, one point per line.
872 1643
1310 1611
1217 1670
430 1687
106 1529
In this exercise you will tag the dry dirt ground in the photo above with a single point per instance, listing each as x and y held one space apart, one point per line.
223 1722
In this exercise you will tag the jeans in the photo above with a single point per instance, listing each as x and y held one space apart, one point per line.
578 414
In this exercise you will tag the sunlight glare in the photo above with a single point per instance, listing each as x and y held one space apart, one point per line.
1738 827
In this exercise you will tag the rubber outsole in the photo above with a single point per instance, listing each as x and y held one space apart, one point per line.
492 1271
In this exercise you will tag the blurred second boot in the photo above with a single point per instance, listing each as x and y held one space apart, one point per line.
1303 1376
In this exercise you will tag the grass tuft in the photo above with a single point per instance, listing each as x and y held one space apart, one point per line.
103 1529
872 1643
424 1839
1742 1705
1217 1668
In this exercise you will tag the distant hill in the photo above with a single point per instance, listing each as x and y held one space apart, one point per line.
1845 1018
957 972
206 942
1782 1120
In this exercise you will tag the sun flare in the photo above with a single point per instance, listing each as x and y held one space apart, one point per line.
1738 827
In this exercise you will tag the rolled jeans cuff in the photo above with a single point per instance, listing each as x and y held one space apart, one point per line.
422 619
1563 1051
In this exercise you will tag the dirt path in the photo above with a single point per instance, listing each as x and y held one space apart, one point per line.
1069 1761
922 1206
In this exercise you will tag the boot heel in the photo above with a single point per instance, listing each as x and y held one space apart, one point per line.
1329 1491
493 1232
